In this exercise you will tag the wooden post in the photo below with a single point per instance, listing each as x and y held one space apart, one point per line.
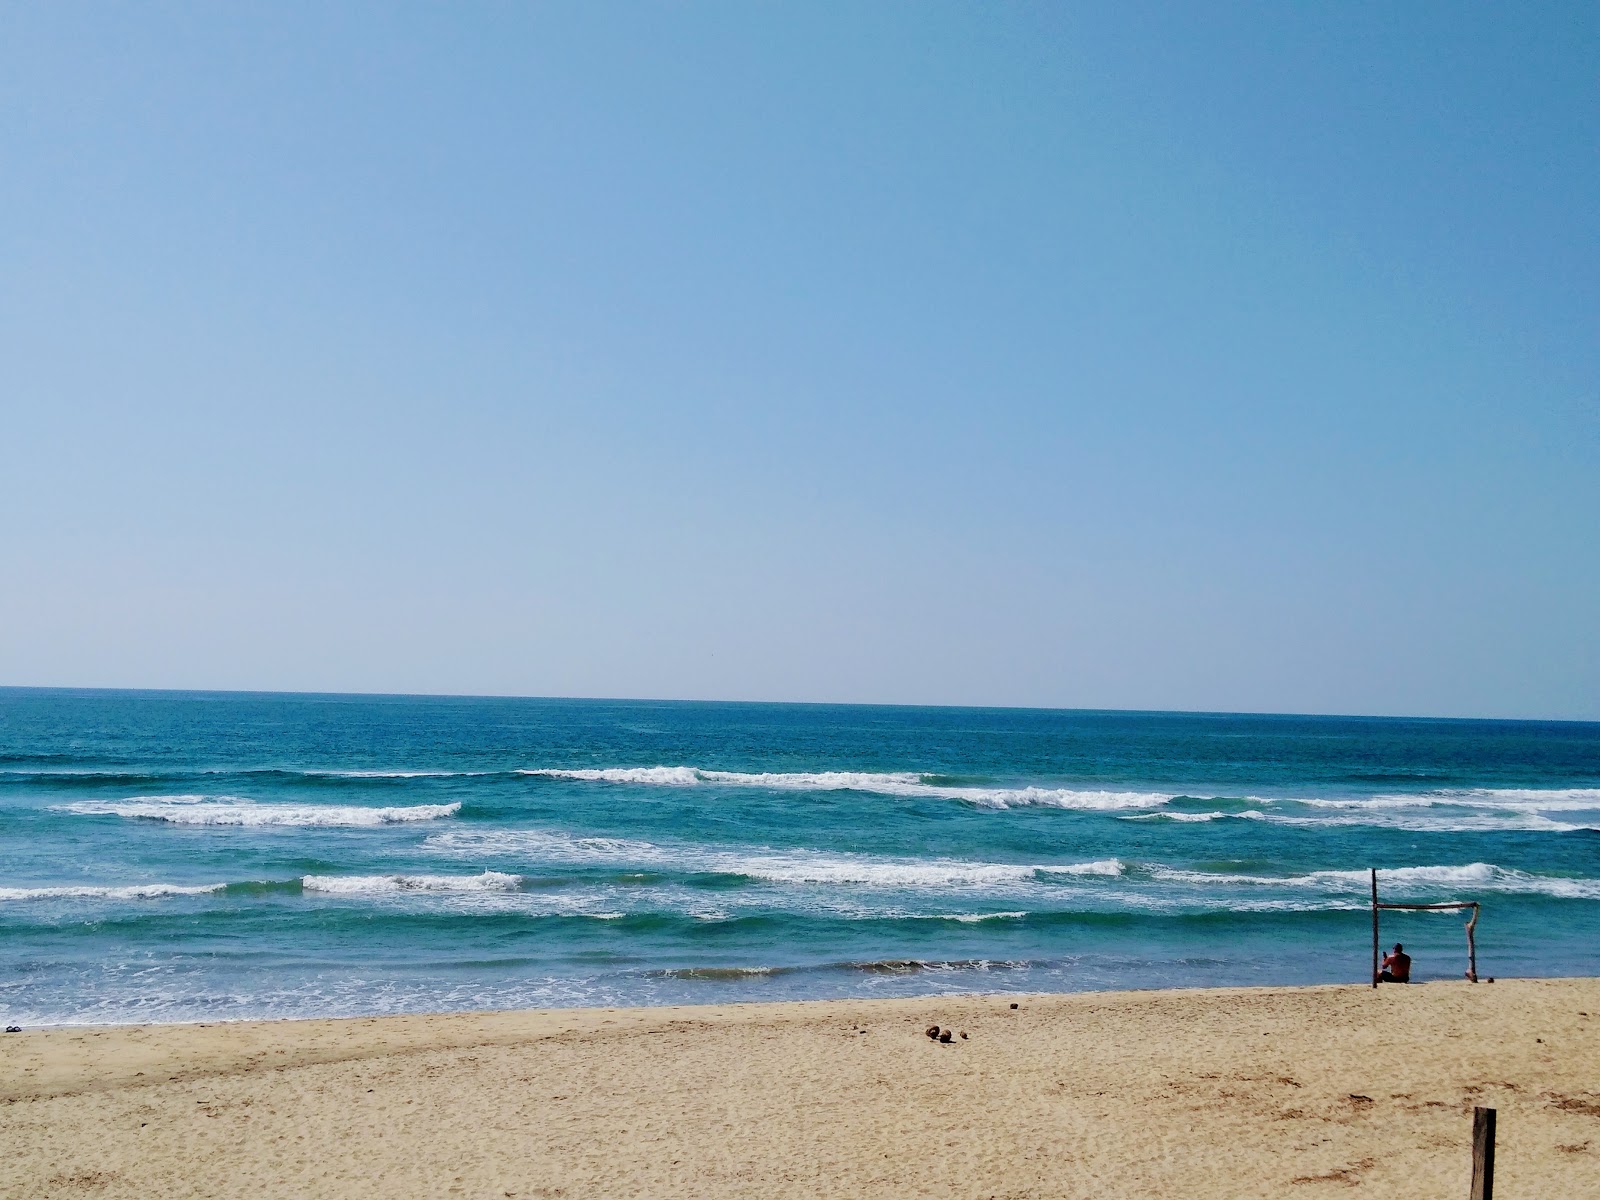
1472 946
1482 1154
1374 926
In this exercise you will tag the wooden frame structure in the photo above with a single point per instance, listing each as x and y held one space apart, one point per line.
1472 924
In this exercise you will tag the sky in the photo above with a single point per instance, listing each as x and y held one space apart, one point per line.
1161 356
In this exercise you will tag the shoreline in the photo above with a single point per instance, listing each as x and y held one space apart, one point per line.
730 1006
1213 1092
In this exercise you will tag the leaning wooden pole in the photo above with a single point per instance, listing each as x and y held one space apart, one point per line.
1472 946
1374 926
1482 1154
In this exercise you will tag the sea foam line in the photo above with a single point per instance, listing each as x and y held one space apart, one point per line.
894 783
136 891
1517 800
1480 876
776 866
914 784
1249 814
380 885
910 873
824 868
238 811
1413 819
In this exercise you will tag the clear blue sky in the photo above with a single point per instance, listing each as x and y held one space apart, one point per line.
1155 356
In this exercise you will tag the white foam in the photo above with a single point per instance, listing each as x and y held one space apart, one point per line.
1068 798
1297 906
137 891
377 885
879 783
1512 799
1102 866
656 776
808 868
1436 811
1473 810
1429 820
1249 814
1405 880
1468 811
548 845
812 867
235 810
331 774
978 918
790 866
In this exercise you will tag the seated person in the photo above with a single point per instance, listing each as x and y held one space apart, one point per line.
1396 966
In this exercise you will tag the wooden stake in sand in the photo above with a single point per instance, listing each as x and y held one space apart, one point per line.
1374 926
1482 1154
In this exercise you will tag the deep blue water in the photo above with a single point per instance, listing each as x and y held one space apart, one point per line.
172 856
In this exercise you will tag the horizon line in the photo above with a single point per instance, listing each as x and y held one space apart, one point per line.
1176 712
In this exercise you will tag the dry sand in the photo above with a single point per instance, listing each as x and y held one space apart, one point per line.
1228 1093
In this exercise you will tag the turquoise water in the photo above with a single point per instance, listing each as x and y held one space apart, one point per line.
174 856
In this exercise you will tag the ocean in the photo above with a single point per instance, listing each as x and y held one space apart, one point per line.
174 856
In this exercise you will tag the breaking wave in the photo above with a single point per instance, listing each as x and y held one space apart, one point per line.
1249 814
1462 810
1405 880
137 891
1529 799
776 866
382 885
978 918
236 810
812 867
880 783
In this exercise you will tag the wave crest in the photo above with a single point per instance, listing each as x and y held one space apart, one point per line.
1405 880
236 810
891 783
380 885
136 891
776 866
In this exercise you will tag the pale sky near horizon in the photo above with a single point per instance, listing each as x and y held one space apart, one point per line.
1161 356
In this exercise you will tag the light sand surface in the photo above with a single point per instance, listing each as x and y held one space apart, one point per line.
1226 1093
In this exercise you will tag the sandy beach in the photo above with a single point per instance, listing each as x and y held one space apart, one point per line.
1224 1093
